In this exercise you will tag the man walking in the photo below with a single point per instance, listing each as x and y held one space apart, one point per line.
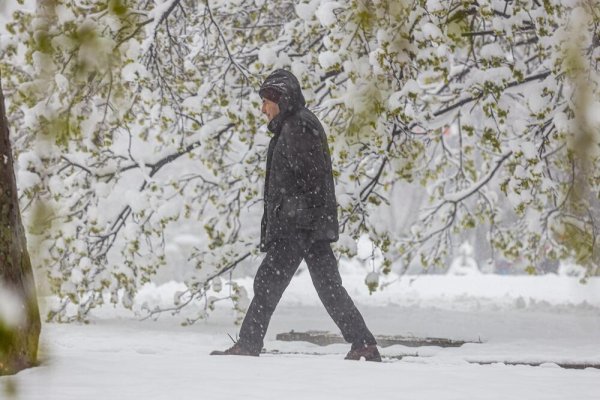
299 222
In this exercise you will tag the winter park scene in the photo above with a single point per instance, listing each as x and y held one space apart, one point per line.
299 199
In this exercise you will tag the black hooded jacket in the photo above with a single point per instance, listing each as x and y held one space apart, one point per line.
299 192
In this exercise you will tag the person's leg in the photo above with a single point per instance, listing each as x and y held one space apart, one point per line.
325 275
273 276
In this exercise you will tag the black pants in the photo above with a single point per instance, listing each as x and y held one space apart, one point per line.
274 275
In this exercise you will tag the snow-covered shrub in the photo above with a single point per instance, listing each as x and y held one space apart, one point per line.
464 264
572 270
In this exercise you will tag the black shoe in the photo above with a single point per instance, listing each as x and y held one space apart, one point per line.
235 350
367 351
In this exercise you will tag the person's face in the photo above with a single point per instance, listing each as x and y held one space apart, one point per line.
270 109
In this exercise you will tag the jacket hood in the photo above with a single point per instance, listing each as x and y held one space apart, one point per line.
287 85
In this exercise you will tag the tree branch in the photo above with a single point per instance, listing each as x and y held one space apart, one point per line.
469 99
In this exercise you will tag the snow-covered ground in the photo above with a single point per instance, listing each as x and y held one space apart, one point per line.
548 320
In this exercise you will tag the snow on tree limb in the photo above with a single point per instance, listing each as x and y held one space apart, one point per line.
474 102
463 194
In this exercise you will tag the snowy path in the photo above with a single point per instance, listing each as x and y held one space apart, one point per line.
128 359
518 319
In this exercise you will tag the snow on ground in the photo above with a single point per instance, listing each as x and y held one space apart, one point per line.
547 320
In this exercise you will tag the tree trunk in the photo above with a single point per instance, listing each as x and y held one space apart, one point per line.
19 338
